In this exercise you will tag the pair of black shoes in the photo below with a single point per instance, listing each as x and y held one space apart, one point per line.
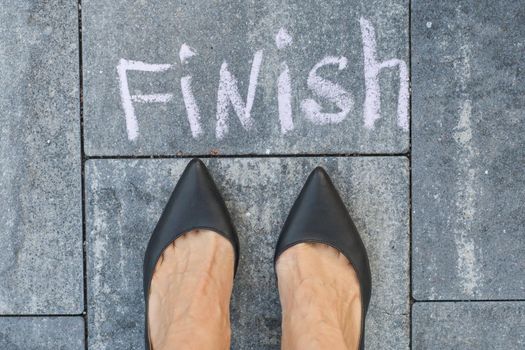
317 216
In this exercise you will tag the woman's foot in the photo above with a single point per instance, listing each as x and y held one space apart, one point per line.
320 297
190 293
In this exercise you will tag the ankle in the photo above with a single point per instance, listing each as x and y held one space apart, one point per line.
199 336
195 333
190 294
308 335
321 299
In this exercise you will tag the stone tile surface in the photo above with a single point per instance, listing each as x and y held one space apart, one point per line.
232 31
468 326
468 150
42 333
40 190
124 201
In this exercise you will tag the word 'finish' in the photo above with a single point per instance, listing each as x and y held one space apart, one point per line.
229 96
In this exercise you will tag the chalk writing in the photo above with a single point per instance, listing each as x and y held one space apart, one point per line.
186 52
229 96
126 97
372 69
283 39
192 109
331 91
284 85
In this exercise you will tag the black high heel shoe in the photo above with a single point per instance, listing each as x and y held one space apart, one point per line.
194 204
320 216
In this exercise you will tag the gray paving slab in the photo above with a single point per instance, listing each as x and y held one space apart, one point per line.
124 201
40 183
468 150
468 326
42 333
326 77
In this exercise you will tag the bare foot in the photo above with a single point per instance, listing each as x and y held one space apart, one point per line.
190 293
320 298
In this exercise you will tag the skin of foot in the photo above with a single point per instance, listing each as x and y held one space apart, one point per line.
320 299
190 293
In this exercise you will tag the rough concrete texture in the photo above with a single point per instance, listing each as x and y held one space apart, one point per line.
232 32
468 326
42 333
40 189
468 150
124 201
